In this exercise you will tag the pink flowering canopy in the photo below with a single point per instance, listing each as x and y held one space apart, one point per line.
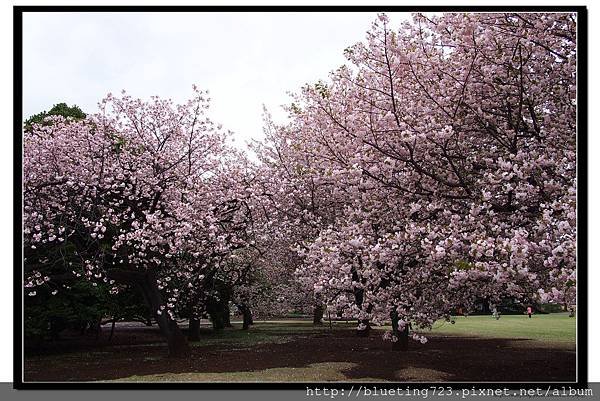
140 185
449 146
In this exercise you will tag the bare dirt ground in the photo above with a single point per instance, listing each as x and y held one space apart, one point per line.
136 351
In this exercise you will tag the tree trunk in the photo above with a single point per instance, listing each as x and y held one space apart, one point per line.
226 314
217 321
178 345
98 328
401 335
366 331
363 322
318 315
195 314
247 314
215 312
112 329
194 329
402 343
359 294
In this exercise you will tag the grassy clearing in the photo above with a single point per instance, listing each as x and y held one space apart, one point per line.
265 332
234 337
547 331
219 361
551 328
557 328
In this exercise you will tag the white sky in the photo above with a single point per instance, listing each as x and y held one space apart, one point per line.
244 59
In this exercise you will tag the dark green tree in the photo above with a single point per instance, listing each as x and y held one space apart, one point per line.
59 109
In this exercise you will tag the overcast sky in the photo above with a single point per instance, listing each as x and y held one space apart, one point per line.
244 59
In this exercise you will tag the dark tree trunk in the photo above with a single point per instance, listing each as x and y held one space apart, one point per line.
195 316
226 313
401 335
366 331
217 321
215 312
358 297
359 294
218 310
194 329
98 328
318 315
402 343
112 329
247 315
178 345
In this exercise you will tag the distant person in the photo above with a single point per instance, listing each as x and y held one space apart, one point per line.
529 311
572 314
495 313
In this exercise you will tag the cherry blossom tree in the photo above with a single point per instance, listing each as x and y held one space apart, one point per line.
436 169
294 204
140 192
453 142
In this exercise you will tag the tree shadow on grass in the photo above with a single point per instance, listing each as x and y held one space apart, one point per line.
443 358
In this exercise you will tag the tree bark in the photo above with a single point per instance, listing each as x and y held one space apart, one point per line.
247 315
318 315
98 328
226 313
194 329
112 329
366 331
402 343
215 313
217 321
178 345
359 294
401 335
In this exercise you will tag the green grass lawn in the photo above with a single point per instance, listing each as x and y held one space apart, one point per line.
554 332
554 327
265 332
548 328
